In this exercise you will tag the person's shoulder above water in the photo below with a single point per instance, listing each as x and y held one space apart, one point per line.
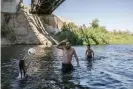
72 49
91 49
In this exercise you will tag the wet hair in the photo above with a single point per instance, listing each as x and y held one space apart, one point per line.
88 45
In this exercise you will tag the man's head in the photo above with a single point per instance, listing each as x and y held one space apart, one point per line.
68 45
88 46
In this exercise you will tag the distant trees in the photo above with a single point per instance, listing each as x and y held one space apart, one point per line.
72 26
95 23
64 27
95 34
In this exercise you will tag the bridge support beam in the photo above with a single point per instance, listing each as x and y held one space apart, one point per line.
45 6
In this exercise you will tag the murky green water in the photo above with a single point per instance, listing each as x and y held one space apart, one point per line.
111 69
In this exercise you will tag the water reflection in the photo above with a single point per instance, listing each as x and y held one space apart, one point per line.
89 64
69 82
112 68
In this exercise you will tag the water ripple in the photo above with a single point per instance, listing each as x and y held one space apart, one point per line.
111 69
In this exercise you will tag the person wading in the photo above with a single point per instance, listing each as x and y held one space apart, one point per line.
89 53
68 53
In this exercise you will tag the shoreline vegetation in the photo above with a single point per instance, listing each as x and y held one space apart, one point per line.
94 35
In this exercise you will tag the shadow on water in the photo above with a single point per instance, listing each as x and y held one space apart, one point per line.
18 84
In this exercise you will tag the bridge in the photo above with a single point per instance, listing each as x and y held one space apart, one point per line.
39 24
45 6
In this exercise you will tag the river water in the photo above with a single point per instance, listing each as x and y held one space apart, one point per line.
112 68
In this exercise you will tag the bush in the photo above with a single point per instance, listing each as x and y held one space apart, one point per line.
71 36
93 35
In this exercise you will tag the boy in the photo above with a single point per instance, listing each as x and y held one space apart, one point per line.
89 53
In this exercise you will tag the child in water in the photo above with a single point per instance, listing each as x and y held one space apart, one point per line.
89 53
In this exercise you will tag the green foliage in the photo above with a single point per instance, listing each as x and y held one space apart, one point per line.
95 23
71 36
65 27
93 35
22 5
7 32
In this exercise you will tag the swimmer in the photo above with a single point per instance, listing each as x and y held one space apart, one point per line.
89 53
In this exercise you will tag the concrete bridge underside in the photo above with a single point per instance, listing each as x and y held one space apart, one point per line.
45 6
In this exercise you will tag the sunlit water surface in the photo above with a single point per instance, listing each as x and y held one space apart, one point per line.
112 68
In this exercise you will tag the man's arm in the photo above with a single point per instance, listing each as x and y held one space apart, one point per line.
92 53
86 53
76 57
61 44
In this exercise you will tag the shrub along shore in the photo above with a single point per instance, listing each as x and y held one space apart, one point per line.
94 35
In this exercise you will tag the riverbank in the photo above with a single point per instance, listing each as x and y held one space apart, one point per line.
93 35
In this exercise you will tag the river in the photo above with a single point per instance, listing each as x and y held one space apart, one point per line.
112 68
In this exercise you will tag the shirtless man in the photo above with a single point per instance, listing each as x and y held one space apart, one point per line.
68 52
89 53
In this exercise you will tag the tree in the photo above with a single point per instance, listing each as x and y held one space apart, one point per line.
72 25
94 23
84 26
65 27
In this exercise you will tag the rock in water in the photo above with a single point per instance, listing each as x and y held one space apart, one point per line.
31 51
